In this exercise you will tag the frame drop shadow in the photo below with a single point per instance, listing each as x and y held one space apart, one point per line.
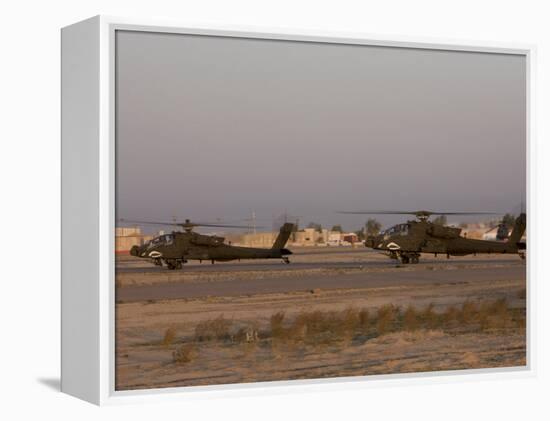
54 383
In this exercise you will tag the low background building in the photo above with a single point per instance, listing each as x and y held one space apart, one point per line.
259 239
307 237
127 237
350 238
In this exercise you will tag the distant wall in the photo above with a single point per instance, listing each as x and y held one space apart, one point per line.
127 237
260 239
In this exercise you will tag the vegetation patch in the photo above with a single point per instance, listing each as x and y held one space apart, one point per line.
351 326
215 329
185 353
169 336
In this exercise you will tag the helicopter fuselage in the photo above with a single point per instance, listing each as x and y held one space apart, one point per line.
407 241
177 248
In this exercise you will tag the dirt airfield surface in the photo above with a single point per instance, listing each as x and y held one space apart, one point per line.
332 312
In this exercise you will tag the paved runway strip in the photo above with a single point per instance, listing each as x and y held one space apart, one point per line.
365 279
274 265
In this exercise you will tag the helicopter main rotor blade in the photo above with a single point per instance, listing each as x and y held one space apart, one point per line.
200 224
186 224
132 221
376 212
427 213
464 213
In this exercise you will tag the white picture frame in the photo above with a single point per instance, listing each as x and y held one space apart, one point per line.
88 213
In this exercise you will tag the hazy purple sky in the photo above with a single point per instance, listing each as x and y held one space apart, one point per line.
211 127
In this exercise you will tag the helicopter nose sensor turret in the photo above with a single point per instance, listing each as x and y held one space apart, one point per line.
134 251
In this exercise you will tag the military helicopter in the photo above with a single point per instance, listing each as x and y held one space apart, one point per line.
406 241
177 248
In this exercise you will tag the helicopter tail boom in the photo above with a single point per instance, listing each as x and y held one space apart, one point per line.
518 231
282 238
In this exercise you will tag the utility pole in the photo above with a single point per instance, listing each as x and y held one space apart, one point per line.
254 221
251 222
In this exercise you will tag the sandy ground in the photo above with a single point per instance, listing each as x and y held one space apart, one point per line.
143 361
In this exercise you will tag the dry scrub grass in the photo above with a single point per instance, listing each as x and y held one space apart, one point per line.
317 328
385 318
410 319
364 320
169 336
323 328
184 353
352 326
215 329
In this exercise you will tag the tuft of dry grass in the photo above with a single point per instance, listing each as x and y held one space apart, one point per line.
494 315
499 307
318 328
429 317
185 353
349 324
451 316
276 324
364 321
385 318
468 312
410 318
215 329
169 336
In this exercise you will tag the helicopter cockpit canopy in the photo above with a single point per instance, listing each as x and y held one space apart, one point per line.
399 229
161 240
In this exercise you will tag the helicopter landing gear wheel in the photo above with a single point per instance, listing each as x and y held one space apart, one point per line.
285 259
174 264
407 258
